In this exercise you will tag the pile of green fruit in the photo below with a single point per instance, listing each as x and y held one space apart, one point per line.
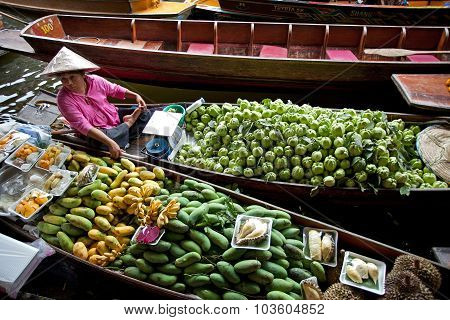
96 222
280 141
195 255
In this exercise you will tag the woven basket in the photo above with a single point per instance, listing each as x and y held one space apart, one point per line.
433 145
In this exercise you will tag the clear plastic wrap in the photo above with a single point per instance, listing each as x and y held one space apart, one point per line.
19 260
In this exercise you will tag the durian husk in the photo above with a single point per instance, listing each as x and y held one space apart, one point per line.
340 291
405 285
421 267
311 291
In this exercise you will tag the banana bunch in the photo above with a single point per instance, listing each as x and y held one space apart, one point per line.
151 213
106 258
169 212
105 251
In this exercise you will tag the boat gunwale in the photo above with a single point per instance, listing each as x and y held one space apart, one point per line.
337 5
94 14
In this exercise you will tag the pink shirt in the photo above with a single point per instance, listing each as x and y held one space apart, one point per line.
94 109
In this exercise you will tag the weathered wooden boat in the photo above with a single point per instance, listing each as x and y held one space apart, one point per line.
31 10
378 12
1 27
347 240
425 91
293 194
235 54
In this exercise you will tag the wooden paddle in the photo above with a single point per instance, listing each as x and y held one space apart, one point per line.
399 52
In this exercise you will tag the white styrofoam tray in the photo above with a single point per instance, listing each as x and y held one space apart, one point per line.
367 284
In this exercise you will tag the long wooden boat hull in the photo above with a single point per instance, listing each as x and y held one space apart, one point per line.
322 12
171 64
294 195
347 240
31 10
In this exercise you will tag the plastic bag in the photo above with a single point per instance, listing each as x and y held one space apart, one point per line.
15 255
39 135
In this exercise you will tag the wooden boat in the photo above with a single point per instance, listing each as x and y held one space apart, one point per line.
1 27
379 12
234 54
425 91
31 10
294 194
347 240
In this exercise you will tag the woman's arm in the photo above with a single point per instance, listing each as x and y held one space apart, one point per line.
139 100
113 147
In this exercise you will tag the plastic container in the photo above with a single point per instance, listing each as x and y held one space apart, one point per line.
59 160
66 180
20 164
442 255
84 182
154 243
368 284
12 209
14 183
334 235
8 145
17 259
264 244
179 109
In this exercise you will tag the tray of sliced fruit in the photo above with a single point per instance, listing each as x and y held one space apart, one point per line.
53 157
59 181
24 157
10 141
30 204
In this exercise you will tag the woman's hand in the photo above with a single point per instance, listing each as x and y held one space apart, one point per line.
141 103
114 149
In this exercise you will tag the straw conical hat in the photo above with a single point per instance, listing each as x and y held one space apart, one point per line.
68 61
433 145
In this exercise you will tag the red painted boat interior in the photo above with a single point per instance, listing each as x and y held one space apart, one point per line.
266 40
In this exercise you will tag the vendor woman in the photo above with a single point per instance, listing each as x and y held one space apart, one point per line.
83 101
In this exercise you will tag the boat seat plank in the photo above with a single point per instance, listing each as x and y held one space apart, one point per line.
201 48
109 42
305 52
422 58
138 44
341 55
273 52
233 49
153 45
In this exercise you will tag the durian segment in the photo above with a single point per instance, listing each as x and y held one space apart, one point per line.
311 291
315 245
373 272
361 268
259 231
353 274
327 248
247 228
